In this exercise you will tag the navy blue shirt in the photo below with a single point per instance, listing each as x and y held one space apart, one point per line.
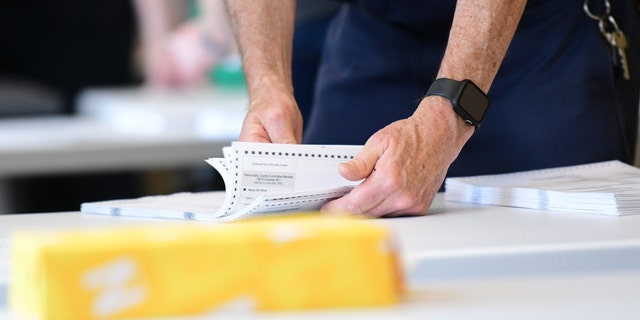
556 100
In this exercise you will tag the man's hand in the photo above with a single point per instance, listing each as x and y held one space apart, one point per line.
272 117
405 163
264 32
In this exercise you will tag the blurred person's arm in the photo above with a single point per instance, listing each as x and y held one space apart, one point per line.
215 24
180 52
156 19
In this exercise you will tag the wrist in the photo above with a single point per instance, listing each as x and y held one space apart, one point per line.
267 81
437 113
465 97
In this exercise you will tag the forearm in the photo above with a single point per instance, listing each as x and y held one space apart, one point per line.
264 33
480 35
156 17
215 23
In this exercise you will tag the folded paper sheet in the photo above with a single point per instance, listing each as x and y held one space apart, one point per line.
608 188
259 178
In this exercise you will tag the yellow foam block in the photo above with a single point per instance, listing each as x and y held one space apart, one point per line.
272 264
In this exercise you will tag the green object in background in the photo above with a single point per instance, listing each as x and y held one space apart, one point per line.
193 9
228 73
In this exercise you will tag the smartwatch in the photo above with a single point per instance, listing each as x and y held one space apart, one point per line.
468 101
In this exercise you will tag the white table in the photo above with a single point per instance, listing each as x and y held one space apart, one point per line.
125 129
62 145
120 129
468 261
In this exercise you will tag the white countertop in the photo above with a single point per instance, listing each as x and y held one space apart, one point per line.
499 240
464 261
124 129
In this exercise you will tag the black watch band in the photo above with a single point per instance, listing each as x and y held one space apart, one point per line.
467 99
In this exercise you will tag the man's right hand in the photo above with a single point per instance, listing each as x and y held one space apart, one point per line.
264 33
273 116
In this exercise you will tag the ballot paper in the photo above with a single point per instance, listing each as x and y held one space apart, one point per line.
608 188
259 178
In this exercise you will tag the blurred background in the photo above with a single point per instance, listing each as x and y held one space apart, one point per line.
113 99
117 99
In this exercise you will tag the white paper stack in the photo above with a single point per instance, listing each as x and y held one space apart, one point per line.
259 178
608 188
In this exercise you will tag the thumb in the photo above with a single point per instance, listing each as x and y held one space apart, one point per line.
285 133
283 139
361 165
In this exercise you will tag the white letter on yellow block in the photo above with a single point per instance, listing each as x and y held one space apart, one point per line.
113 280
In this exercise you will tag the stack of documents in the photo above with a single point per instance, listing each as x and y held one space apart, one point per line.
608 188
259 178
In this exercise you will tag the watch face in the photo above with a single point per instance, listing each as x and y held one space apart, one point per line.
474 102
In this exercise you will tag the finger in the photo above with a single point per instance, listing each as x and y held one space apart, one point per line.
359 201
251 137
401 199
380 195
398 206
280 135
362 165
281 128
404 214
253 134
390 206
